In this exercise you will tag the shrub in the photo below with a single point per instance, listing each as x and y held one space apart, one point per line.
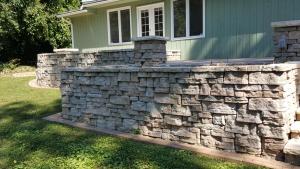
11 65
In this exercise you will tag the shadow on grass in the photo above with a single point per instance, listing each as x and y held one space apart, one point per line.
28 142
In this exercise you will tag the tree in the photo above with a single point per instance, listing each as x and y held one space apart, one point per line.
29 27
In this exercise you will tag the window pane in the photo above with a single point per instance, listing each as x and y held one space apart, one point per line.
179 18
125 24
159 25
196 17
114 27
145 22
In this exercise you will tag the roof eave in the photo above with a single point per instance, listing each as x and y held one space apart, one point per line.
97 3
77 13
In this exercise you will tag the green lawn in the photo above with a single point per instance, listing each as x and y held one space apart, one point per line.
26 141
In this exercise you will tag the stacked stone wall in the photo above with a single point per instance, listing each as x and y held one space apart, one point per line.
286 41
49 66
244 109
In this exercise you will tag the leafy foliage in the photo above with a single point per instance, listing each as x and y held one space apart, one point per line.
29 27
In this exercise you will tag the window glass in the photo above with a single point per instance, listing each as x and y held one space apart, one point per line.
179 18
196 17
145 23
159 25
125 24
114 27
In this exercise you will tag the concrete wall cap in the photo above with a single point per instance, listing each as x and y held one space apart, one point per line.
150 38
66 50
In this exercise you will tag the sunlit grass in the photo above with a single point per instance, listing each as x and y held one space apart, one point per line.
26 141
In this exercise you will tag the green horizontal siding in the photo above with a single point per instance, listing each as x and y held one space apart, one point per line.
234 28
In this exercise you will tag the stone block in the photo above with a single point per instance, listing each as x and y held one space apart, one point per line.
130 124
176 89
208 141
248 116
219 108
236 78
250 144
173 120
190 100
232 126
248 87
269 78
156 133
267 104
222 90
204 89
167 99
180 111
220 132
183 133
191 90
219 120
139 106
154 111
120 100
273 132
237 100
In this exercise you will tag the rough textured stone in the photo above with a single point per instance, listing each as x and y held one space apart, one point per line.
273 132
166 99
267 104
267 78
222 90
172 120
121 100
219 108
236 78
139 106
167 103
248 144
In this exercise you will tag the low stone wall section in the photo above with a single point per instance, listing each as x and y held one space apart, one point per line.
286 41
244 109
50 65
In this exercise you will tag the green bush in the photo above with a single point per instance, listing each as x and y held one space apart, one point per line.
29 27
11 65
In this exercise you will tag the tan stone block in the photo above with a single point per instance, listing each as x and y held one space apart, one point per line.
236 78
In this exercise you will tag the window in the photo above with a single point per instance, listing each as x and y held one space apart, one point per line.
188 18
119 25
151 20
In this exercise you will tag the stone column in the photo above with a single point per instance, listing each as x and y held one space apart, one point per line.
286 41
150 51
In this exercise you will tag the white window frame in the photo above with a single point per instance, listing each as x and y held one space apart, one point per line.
187 26
73 38
151 19
119 24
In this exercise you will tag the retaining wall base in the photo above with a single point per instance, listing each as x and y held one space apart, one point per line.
234 157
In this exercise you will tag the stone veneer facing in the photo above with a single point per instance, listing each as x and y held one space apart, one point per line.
244 109
148 51
288 31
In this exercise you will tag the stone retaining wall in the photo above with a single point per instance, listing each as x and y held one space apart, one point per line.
244 109
147 51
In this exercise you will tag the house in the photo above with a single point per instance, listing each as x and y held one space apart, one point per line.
200 29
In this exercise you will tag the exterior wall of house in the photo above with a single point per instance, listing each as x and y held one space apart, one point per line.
234 28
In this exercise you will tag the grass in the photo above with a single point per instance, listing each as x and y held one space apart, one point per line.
26 141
